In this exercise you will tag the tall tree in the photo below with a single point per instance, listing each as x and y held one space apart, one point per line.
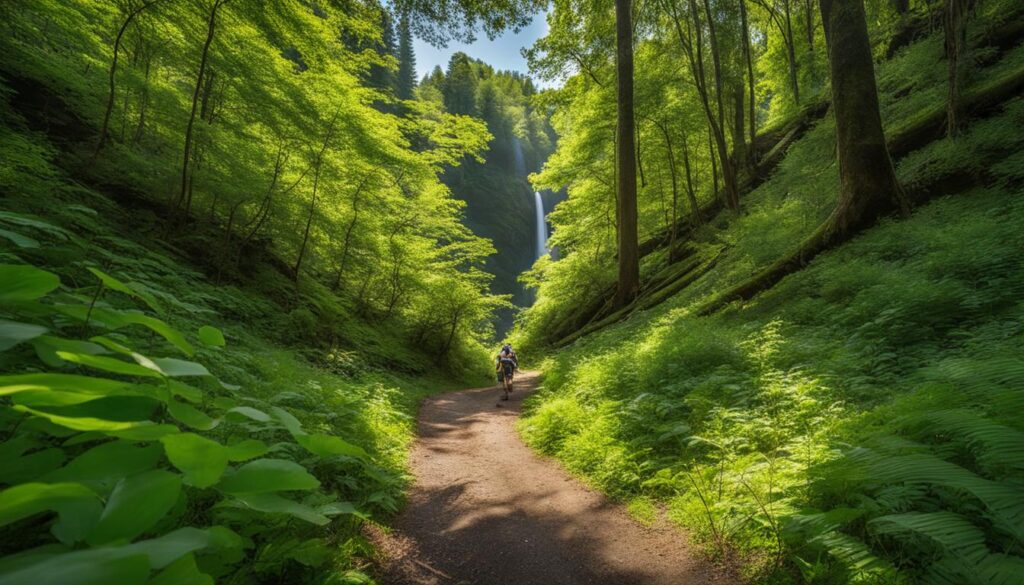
868 188
625 188
405 80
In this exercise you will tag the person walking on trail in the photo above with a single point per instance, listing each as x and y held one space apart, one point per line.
506 365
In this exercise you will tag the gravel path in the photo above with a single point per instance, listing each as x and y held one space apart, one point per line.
485 510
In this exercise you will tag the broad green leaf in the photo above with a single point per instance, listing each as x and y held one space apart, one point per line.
42 399
83 568
145 431
136 504
211 336
12 333
30 467
182 572
274 504
176 368
247 449
70 382
340 508
312 552
191 416
170 547
18 239
47 346
29 499
252 413
115 319
115 284
21 282
288 420
95 424
108 364
185 391
112 408
328 446
110 565
104 464
268 475
318 444
201 460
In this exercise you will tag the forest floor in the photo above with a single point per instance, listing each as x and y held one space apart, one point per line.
486 509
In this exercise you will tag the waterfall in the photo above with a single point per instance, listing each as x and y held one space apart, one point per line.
542 226
518 162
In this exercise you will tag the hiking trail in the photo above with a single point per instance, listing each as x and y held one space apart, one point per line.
486 510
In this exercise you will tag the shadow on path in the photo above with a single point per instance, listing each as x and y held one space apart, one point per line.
485 510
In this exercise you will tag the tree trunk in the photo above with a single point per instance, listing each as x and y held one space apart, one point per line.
674 225
113 72
868 186
626 205
955 25
752 100
317 167
791 53
211 26
739 146
140 126
691 193
348 232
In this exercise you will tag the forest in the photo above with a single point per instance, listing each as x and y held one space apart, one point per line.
245 248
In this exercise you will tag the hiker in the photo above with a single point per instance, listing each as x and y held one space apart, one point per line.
506 365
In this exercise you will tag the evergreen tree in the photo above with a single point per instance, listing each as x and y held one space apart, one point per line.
405 82
460 86
382 77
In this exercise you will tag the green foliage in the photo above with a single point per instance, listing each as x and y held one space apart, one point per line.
850 425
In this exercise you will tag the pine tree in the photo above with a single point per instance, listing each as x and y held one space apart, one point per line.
405 82
460 86
382 77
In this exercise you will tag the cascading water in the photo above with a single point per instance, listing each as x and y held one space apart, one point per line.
542 226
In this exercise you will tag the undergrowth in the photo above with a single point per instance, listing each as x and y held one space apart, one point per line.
858 423
130 377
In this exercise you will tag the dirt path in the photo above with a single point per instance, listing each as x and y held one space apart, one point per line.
485 510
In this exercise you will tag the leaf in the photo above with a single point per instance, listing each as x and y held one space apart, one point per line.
30 467
19 240
252 413
73 502
201 460
247 449
191 416
71 382
115 284
83 568
108 364
318 444
268 475
176 368
139 430
275 504
328 445
47 346
120 565
182 572
312 552
211 336
21 282
104 464
12 333
115 319
137 503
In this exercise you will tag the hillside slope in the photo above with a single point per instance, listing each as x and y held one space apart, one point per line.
856 423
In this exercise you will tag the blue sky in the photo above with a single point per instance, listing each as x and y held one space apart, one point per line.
501 53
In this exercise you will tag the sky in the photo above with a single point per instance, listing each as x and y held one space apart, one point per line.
501 53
